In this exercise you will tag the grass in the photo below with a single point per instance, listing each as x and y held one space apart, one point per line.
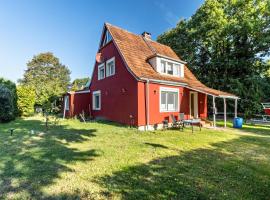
76 160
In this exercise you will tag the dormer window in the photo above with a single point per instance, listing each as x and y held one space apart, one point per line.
170 67
107 38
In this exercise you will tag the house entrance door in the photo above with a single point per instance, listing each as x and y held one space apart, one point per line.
193 105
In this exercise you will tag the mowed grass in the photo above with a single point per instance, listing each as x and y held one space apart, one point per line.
75 160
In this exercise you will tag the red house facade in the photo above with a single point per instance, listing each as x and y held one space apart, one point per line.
141 82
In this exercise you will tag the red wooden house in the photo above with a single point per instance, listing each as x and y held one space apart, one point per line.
140 81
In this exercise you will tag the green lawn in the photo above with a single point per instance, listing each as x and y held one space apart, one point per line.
76 160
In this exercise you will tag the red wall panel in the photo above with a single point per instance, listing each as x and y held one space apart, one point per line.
118 92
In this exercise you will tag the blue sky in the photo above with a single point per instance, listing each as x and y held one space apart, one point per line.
71 28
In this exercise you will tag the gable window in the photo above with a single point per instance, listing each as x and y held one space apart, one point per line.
171 68
110 67
107 38
169 99
96 100
101 71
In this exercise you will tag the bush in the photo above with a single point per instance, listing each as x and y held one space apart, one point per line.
12 88
26 100
6 104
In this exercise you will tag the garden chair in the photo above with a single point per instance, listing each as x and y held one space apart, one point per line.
181 121
175 123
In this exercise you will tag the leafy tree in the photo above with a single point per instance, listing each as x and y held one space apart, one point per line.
26 100
48 76
79 83
225 43
6 104
12 88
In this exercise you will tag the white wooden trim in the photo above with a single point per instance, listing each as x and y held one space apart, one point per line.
235 108
93 100
196 105
225 113
167 89
214 112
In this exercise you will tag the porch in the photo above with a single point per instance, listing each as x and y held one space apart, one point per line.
215 94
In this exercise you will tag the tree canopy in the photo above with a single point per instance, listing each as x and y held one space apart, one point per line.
79 83
47 76
226 44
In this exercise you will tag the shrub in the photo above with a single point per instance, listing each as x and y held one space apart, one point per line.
26 100
12 88
6 104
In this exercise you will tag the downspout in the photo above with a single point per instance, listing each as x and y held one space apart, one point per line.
65 105
147 104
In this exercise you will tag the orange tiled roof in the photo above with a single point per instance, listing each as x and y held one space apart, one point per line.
136 50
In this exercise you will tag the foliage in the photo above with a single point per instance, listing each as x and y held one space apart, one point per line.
26 100
6 104
12 87
79 83
84 161
48 76
225 43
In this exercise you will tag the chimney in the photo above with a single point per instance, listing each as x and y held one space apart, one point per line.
146 35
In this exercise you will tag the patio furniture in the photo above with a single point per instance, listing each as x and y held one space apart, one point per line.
177 123
192 123
165 124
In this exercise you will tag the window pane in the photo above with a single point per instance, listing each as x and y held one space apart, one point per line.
171 103
163 101
163 69
96 101
176 70
170 68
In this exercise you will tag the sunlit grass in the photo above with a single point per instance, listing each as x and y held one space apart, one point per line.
107 161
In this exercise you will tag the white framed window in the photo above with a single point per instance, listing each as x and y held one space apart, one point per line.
96 100
171 67
169 99
110 67
66 102
107 38
101 71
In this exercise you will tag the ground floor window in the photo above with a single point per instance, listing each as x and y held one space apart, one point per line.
66 102
169 99
96 100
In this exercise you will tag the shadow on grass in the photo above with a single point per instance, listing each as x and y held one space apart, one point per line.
29 162
237 169
156 145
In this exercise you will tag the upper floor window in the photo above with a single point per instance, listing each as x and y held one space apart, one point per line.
110 67
107 38
171 68
101 71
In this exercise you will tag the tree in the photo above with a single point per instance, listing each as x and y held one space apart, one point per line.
6 104
225 43
48 76
79 83
26 100
12 88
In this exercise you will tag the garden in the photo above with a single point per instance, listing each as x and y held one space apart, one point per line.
104 160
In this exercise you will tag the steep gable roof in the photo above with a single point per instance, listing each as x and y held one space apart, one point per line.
136 50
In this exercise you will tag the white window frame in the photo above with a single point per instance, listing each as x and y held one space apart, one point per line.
180 69
94 100
99 67
108 72
166 89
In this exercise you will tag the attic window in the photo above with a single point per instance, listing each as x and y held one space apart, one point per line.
171 68
107 38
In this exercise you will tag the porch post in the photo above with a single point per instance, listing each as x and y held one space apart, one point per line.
225 113
235 108
214 112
